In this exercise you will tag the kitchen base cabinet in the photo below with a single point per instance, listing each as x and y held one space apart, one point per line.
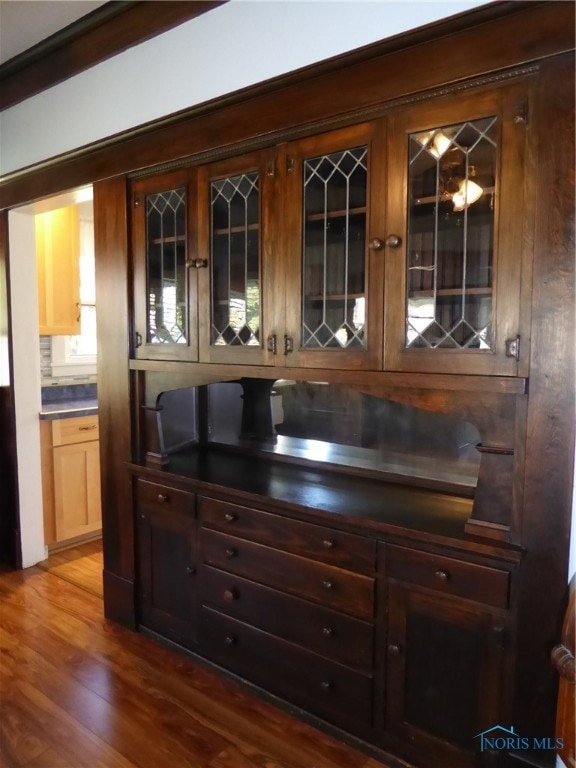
70 452
166 536
444 656
77 489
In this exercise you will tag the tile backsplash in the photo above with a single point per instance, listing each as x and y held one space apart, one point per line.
46 368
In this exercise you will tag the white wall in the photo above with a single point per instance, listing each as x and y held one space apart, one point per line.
26 380
236 45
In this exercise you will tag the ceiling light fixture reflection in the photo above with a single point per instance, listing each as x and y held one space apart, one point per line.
468 192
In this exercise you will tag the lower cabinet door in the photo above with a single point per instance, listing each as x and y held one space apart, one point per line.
167 569
334 692
77 503
445 677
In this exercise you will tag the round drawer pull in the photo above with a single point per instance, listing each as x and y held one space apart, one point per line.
394 649
230 595
327 631
231 640
326 685
162 497
230 517
328 585
328 543
442 575
191 570
231 552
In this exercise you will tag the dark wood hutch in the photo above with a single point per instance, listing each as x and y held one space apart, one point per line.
336 388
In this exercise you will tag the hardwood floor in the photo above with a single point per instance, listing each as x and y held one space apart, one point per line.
80 565
77 691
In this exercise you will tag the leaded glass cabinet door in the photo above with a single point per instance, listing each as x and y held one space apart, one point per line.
235 204
165 296
454 270
334 278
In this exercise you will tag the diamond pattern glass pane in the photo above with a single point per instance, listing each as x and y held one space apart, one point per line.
452 175
235 246
334 250
166 264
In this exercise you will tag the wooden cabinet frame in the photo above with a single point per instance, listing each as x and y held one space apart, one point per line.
489 46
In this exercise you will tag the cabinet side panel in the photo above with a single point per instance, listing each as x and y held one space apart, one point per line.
111 249
550 419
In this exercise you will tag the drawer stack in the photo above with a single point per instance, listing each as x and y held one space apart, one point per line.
290 606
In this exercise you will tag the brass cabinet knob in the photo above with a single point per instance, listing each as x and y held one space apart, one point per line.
230 517
327 631
162 497
231 594
328 585
394 649
328 543
191 570
231 640
326 685
376 244
393 241
197 263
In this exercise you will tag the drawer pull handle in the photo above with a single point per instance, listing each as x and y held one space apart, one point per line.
394 649
231 552
230 595
162 497
87 429
231 640
327 631
328 585
442 575
326 685
191 570
230 517
328 543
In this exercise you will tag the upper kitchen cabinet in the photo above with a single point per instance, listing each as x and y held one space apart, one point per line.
165 265
457 222
332 224
57 260
237 269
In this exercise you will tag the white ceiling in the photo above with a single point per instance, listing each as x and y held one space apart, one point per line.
24 23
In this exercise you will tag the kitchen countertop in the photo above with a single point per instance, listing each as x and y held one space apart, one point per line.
67 409
69 400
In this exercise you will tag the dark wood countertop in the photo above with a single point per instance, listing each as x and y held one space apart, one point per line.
363 505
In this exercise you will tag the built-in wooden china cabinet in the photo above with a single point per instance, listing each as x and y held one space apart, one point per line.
336 395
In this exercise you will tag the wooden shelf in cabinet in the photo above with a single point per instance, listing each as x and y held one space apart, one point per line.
237 230
166 240
452 292
339 214
334 296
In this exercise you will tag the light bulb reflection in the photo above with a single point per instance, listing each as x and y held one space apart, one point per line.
468 192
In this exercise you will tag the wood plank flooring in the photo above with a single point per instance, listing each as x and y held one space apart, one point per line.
77 691
80 565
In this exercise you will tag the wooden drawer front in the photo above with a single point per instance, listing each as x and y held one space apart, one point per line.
345 550
333 587
330 690
80 429
445 574
322 630
156 496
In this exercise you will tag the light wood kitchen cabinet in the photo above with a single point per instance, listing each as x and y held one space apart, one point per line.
57 259
70 478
